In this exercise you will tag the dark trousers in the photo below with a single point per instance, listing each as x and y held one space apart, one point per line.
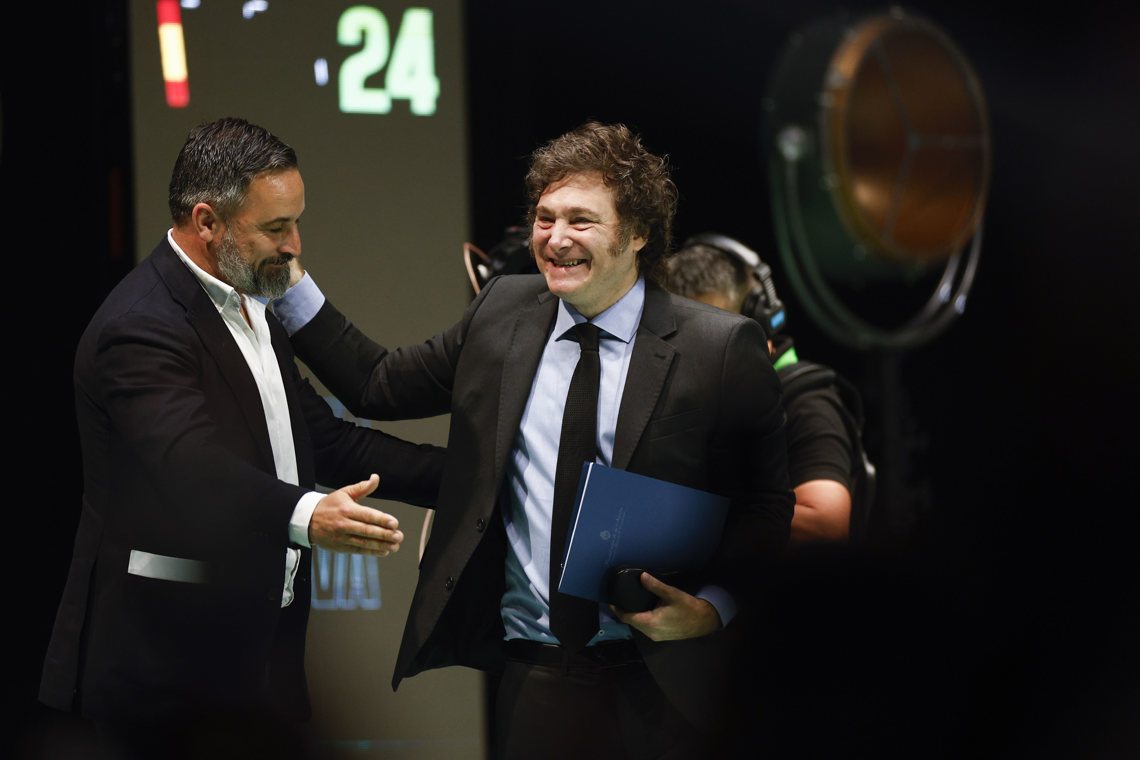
600 704
66 735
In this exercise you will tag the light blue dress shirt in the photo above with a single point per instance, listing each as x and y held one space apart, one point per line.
528 492
528 489
299 305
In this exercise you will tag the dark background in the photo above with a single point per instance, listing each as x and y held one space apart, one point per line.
1004 621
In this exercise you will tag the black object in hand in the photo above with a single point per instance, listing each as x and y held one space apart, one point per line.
624 590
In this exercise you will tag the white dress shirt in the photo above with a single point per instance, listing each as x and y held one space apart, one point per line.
256 345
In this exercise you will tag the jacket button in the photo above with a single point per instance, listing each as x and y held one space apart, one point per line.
480 524
449 583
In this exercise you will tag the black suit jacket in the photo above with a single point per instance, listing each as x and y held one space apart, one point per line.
701 407
177 462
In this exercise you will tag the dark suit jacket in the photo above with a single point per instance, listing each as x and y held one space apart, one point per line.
177 462
701 407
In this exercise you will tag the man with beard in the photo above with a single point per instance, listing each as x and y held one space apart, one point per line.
185 608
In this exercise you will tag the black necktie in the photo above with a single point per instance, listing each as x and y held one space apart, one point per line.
573 620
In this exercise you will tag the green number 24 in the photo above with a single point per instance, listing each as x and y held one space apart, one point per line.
410 61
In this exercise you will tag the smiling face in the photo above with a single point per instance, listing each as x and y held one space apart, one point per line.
578 246
262 237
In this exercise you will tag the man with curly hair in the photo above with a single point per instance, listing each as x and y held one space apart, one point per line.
685 395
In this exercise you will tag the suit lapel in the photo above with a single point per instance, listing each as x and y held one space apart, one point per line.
520 363
649 366
217 342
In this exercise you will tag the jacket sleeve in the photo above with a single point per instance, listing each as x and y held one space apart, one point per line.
181 426
750 454
375 383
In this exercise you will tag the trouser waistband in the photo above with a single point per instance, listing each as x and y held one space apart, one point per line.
605 654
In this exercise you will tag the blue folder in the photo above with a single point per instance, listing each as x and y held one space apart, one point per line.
625 518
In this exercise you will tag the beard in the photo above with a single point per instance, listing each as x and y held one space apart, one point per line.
245 277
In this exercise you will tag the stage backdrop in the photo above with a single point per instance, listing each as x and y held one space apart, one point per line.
372 98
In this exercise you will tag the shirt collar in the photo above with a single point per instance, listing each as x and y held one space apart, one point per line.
220 293
619 321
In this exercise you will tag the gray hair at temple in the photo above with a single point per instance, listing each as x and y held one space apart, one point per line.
217 163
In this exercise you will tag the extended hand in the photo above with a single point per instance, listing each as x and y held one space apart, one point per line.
340 524
678 616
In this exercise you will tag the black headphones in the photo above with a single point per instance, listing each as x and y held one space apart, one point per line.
761 303
511 255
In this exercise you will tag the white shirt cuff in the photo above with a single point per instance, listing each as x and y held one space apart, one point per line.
299 305
302 514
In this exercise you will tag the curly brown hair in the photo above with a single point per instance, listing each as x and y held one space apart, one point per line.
644 195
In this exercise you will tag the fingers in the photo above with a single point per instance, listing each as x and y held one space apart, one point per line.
638 619
358 491
663 590
352 543
296 271
340 524
642 621
367 525
353 537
